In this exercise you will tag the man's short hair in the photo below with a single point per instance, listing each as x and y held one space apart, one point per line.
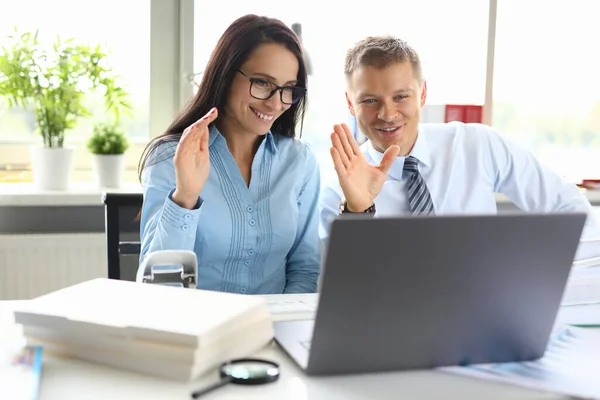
381 52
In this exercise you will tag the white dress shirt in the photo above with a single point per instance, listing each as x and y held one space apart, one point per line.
464 165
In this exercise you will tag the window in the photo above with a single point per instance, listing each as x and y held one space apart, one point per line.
546 82
451 38
122 29
125 33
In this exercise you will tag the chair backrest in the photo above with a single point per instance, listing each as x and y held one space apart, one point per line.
120 212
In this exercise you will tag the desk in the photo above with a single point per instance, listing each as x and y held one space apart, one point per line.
71 379
66 379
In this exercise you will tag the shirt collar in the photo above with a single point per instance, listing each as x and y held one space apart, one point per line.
215 135
420 151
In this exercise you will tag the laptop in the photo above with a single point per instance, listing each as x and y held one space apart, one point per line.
423 292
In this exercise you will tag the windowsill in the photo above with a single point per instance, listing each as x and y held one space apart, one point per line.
89 194
79 194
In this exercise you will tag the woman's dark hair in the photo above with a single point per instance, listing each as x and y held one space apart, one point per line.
234 47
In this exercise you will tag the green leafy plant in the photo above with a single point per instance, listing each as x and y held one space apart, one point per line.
107 139
53 83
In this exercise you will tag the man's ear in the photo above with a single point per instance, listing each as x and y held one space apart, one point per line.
424 93
350 106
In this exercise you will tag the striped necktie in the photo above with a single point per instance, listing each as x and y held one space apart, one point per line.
419 198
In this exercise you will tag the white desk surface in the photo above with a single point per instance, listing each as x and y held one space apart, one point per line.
65 379
71 379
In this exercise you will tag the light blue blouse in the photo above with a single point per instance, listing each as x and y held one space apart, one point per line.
259 239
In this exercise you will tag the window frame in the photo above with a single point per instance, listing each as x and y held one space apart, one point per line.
171 74
187 42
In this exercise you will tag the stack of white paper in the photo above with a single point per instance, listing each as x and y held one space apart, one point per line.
583 287
588 252
165 331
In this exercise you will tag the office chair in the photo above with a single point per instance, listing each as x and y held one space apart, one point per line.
120 211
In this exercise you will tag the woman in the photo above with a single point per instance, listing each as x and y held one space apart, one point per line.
229 180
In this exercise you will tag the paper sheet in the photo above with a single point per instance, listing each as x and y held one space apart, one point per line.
20 366
570 366
20 379
588 262
583 287
586 315
588 250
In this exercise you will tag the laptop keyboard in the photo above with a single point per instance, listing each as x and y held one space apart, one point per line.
292 305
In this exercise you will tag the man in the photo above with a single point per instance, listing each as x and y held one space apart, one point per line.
408 167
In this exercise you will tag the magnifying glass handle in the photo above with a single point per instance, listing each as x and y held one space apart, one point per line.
200 392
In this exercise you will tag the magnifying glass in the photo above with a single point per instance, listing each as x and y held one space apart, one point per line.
243 371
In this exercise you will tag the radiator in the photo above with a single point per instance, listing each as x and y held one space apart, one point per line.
33 265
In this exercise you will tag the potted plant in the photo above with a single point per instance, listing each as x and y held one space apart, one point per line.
52 83
108 144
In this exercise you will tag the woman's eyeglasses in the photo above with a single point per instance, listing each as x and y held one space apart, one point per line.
262 89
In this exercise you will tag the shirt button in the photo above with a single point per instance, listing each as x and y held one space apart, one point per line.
247 262
187 217
185 227
249 209
243 290
250 252
252 222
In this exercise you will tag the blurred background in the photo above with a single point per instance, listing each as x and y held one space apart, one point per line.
534 73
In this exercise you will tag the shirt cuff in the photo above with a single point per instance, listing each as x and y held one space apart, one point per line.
180 218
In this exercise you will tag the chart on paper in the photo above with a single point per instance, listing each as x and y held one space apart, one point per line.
570 366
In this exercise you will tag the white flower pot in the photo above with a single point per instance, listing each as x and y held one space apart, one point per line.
51 167
108 170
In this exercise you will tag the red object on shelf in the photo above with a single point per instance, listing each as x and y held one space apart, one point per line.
593 184
464 113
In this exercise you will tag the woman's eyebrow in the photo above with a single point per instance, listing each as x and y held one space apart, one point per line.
269 77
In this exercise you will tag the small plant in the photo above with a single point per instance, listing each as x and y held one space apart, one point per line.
107 139
53 83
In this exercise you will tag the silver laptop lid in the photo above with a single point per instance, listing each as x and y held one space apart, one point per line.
420 292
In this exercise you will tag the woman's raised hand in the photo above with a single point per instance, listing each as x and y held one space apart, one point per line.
192 161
